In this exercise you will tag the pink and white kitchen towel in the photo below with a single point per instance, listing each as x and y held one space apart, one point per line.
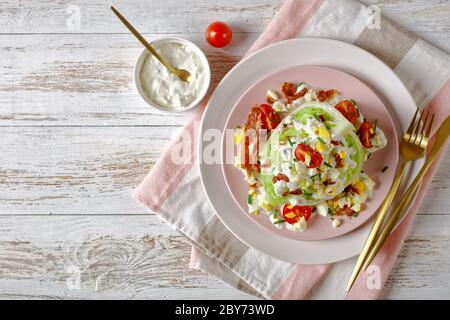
174 191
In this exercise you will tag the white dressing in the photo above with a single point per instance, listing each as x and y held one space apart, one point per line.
163 87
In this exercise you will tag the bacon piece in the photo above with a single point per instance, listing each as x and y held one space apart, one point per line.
339 161
270 100
296 192
253 123
297 95
351 188
329 182
345 211
326 95
280 177
334 142
288 89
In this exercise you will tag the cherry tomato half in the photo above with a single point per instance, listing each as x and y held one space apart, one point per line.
292 214
302 150
366 132
218 34
348 110
270 118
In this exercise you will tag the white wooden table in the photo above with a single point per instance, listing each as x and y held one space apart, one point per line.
76 138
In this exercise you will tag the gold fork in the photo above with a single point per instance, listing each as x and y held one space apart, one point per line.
412 147
441 138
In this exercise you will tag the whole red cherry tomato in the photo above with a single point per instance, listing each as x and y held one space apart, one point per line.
218 34
302 150
292 214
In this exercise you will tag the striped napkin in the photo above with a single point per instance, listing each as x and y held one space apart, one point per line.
174 191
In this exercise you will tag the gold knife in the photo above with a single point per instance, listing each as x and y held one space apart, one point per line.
441 137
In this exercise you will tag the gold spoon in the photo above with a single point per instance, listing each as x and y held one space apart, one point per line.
184 75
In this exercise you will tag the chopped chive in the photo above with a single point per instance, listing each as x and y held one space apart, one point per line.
307 193
321 140
279 221
355 215
290 141
352 101
384 169
298 85
329 125
314 176
369 155
327 164
275 213
375 125
249 199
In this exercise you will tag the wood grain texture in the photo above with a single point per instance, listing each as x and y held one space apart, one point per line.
174 16
125 257
181 16
53 170
75 139
138 257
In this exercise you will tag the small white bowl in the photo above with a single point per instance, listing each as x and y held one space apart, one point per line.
141 58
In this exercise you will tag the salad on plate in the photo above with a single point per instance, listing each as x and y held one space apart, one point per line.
302 154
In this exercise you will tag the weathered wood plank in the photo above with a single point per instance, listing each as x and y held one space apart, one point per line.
76 170
87 79
84 16
423 261
139 257
127 257
92 170
185 15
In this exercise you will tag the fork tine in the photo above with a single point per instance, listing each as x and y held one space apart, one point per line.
414 136
428 130
420 135
411 125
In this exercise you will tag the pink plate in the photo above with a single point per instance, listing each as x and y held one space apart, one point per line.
319 228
